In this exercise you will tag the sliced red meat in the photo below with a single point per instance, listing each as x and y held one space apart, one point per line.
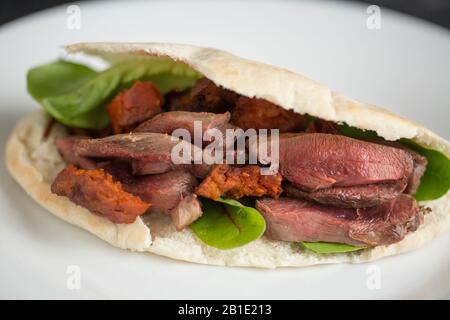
387 223
135 105
164 191
168 122
316 161
187 211
420 166
150 165
419 163
298 220
350 197
96 191
149 153
169 193
66 149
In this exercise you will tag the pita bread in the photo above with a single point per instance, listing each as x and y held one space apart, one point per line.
34 162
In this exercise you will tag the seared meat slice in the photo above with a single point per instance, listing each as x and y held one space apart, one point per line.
66 149
350 197
169 193
237 182
96 191
130 107
420 166
347 196
314 161
168 122
205 96
198 170
420 162
297 220
164 191
149 153
387 223
187 211
261 114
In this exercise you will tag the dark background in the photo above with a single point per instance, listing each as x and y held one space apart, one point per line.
437 11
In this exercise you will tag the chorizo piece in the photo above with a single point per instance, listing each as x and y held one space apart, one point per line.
96 191
133 106
237 182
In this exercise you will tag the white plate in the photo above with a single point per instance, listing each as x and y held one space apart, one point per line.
403 66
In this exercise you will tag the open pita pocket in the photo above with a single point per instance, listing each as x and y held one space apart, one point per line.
34 162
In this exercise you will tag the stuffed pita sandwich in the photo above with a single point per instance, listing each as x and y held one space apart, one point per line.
344 181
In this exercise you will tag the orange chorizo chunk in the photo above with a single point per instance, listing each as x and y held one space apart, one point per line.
96 191
237 182
261 114
133 106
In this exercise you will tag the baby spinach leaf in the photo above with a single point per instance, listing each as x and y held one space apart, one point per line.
436 180
329 247
356 133
76 95
227 224
57 78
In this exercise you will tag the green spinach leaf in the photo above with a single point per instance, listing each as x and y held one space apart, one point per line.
57 78
76 95
227 224
329 247
436 180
